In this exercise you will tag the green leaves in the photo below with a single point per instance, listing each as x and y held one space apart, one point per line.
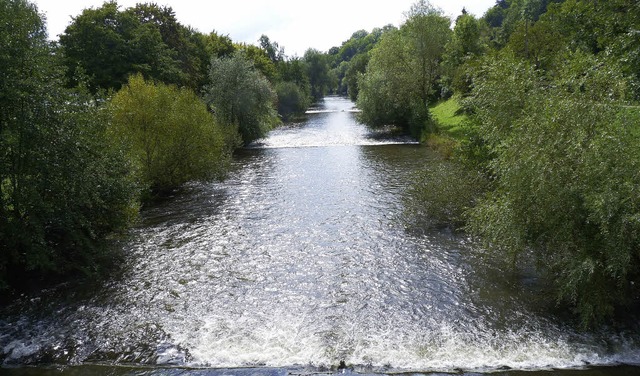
240 95
170 136
442 193
401 76
317 65
553 111
108 45
63 189
566 171
292 99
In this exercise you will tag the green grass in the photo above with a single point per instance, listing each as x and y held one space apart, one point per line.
450 121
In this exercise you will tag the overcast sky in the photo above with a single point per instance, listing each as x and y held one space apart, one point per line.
295 25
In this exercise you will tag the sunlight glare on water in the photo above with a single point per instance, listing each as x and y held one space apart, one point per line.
301 259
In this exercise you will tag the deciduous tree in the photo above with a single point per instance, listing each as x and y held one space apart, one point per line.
403 71
565 169
318 72
240 95
63 188
170 136
107 45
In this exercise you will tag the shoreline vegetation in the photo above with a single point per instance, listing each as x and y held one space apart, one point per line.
535 104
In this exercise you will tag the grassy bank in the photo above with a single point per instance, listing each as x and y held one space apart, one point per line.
450 118
452 126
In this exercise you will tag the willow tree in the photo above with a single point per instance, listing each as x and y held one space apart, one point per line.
401 78
566 176
241 96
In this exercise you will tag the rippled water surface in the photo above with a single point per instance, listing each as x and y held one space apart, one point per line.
297 262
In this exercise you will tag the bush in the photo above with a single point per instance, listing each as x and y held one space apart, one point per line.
170 136
292 100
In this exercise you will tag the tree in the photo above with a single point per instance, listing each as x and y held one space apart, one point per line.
294 91
184 45
107 45
292 99
464 46
494 16
168 133
506 16
217 45
351 59
403 71
295 70
318 73
386 87
357 66
261 61
274 52
96 44
428 33
541 43
63 188
466 35
565 168
240 95
353 46
608 28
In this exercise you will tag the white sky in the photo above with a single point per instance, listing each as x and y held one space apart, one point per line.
295 25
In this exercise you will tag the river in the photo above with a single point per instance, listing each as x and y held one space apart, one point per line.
299 262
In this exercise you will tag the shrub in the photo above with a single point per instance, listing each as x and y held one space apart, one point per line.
169 134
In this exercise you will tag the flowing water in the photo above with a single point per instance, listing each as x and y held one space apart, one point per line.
299 261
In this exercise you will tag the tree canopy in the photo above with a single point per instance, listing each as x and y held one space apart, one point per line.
402 76
318 66
241 95
63 187
107 45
